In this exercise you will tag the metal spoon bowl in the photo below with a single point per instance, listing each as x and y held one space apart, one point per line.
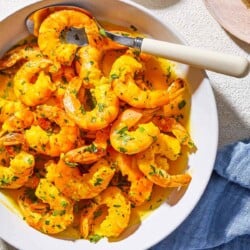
196 57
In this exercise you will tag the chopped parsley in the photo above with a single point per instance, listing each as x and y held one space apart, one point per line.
182 104
122 150
98 181
114 76
95 238
102 32
71 164
91 148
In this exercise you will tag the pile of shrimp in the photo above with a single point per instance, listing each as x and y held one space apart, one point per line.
87 132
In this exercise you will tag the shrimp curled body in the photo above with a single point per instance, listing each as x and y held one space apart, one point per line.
89 61
23 52
141 187
48 142
51 34
89 70
72 183
132 142
104 112
167 124
91 153
122 74
14 116
19 171
154 163
46 209
33 92
117 218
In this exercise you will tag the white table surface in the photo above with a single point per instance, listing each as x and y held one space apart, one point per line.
199 29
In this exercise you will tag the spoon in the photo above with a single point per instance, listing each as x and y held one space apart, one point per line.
200 58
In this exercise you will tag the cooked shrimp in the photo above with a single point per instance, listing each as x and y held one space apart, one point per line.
116 220
32 83
50 37
89 64
167 124
132 142
64 74
18 172
91 153
14 116
61 79
23 52
140 188
104 112
89 212
72 183
89 70
13 139
153 162
123 73
45 139
46 209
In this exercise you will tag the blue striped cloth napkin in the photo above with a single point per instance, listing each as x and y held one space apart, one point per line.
221 219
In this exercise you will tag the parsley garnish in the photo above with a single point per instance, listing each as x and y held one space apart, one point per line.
95 238
181 104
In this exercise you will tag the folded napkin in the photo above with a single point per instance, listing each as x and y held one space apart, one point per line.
221 219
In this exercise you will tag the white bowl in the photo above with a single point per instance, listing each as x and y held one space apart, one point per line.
204 131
